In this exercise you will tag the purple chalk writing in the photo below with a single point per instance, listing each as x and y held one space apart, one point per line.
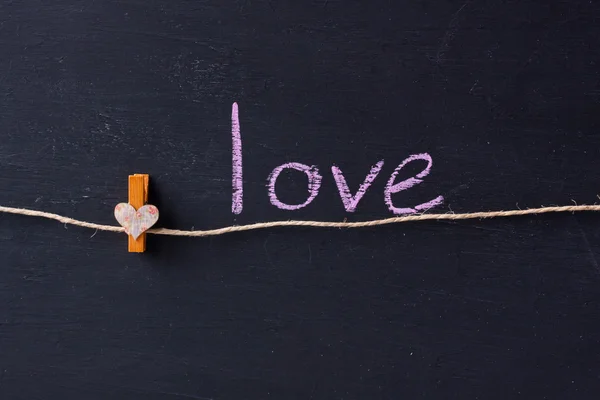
237 200
392 187
350 202
314 183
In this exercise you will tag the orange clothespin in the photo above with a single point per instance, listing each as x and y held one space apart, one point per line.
137 216
138 197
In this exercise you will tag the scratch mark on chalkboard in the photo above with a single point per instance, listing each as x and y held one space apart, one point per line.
272 149
453 26
487 228
3 77
176 394
443 293
185 395
588 247
267 253
473 87
541 42
314 389
458 188
152 34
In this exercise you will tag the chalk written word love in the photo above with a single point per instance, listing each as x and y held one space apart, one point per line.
136 222
349 200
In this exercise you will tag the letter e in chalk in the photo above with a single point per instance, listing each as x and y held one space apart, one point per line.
392 187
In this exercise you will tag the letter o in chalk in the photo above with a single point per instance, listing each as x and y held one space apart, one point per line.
314 183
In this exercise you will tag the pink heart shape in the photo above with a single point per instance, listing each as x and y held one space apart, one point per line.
136 222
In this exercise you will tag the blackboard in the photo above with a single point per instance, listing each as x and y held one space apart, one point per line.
503 95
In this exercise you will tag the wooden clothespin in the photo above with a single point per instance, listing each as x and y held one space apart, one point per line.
138 197
136 217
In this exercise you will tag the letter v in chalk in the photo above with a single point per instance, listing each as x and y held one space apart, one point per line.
350 202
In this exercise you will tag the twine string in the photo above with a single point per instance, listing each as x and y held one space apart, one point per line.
315 224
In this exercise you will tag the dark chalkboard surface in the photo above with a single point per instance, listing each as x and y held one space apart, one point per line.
503 95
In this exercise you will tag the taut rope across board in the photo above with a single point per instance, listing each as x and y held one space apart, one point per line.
315 224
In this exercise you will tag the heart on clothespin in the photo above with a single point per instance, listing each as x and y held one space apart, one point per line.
136 222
